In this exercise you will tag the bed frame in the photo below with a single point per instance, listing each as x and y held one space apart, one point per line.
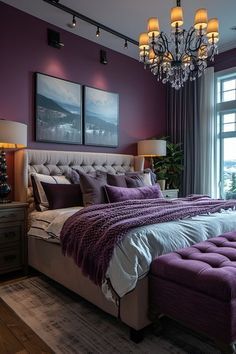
47 257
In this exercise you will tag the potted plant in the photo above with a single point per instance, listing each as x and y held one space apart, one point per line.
169 167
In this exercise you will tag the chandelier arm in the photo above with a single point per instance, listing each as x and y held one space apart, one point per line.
162 45
189 40
197 46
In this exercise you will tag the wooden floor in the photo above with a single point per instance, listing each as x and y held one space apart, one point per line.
15 336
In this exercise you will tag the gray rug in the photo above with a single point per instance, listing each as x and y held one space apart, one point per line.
69 324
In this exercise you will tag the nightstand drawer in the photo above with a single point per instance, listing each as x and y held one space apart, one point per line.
11 215
9 235
10 259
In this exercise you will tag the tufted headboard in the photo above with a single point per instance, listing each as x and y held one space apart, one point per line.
60 162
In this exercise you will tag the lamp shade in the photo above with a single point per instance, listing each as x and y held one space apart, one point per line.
213 27
201 19
176 16
153 27
13 135
143 41
152 147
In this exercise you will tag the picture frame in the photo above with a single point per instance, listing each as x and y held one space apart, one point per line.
101 117
58 110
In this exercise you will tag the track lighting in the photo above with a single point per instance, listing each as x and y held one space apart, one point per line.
98 25
73 23
98 32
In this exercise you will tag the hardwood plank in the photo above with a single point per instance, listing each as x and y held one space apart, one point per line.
8 342
23 333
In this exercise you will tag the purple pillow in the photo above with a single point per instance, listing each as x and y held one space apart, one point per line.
134 181
119 194
92 187
62 195
116 180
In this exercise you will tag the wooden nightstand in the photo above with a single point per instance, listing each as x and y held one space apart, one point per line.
170 193
13 242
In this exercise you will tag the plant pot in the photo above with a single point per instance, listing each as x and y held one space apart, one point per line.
162 184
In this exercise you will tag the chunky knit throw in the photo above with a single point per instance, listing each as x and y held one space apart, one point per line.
90 235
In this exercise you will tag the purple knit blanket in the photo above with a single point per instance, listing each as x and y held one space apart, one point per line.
90 235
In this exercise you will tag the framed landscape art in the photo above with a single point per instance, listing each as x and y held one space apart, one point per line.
58 110
101 116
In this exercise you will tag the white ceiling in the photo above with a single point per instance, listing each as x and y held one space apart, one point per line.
129 17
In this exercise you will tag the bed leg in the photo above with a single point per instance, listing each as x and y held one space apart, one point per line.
136 336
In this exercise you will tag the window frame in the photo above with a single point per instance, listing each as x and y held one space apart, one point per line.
222 108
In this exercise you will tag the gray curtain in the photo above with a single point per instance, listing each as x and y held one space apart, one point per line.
190 119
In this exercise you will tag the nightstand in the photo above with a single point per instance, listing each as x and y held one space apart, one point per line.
170 193
13 242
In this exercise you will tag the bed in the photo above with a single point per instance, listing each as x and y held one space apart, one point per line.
132 307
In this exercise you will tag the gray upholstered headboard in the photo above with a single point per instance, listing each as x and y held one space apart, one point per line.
60 162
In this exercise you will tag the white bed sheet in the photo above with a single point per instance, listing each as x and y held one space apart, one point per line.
132 257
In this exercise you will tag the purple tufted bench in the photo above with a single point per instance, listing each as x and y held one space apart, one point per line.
197 286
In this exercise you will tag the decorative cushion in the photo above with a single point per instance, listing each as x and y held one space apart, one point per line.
62 195
116 180
146 177
119 194
41 202
92 187
134 181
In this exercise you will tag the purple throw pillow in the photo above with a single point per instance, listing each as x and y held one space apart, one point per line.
62 195
92 187
116 180
134 181
119 194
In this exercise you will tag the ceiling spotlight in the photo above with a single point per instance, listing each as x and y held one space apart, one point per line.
126 44
73 23
98 32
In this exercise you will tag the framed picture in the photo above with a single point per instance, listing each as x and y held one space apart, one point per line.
58 110
101 115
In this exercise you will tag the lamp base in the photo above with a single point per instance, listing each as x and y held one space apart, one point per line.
5 188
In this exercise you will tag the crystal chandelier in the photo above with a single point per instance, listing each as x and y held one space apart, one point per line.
184 54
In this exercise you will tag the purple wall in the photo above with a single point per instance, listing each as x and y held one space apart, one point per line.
225 60
24 50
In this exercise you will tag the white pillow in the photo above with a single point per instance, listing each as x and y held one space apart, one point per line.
41 202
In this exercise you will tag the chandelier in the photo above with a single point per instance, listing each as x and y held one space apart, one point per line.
184 54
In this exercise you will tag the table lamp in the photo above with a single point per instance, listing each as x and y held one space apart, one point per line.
13 135
151 148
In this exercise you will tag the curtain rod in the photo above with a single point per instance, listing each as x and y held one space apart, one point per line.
64 8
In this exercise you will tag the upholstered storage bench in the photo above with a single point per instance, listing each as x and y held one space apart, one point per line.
197 287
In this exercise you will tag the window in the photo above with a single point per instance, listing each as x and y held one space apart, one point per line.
226 115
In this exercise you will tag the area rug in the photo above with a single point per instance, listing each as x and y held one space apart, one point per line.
69 324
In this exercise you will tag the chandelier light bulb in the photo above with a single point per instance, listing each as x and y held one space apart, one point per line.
213 39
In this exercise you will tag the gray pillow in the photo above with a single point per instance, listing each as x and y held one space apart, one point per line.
92 187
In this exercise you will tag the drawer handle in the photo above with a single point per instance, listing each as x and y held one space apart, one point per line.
10 234
10 258
7 216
